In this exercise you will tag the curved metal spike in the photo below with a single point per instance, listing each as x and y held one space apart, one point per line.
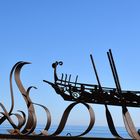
3 118
65 117
31 121
48 121
111 124
6 114
129 125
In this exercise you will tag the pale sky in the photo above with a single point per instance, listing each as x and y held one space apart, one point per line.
42 32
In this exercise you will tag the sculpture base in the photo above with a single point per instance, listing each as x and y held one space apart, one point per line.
20 137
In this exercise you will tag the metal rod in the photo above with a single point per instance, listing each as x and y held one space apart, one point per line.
62 77
65 78
113 72
108 114
117 77
69 79
76 80
94 67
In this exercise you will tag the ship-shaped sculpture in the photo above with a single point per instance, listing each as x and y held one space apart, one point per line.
89 93
79 93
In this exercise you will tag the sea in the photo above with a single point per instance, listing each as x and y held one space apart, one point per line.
97 131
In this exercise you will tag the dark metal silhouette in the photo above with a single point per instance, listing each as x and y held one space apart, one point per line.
108 114
78 93
74 91
27 123
88 93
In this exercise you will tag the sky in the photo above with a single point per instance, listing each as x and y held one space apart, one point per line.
42 32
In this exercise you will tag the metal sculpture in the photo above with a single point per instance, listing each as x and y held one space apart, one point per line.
78 93
81 92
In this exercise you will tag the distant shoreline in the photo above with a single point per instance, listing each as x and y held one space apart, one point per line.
18 137
101 132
